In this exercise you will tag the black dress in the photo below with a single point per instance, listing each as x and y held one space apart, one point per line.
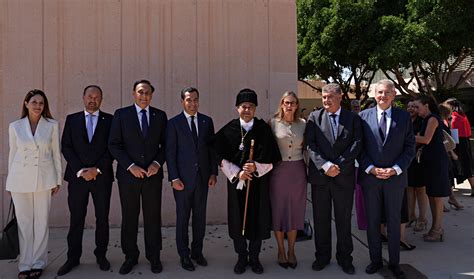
434 161
415 175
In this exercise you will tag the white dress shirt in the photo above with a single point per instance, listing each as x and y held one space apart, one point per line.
188 118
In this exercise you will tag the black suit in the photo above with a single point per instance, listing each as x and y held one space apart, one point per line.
193 165
128 146
338 190
80 153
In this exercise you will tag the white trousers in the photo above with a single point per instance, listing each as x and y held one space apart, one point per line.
32 214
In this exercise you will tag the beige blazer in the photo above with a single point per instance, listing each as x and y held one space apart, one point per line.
34 162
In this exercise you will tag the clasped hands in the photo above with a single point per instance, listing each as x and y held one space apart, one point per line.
247 171
383 173
89 173
333 171
178 185
138 172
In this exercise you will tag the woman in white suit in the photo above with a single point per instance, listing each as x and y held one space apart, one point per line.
34 174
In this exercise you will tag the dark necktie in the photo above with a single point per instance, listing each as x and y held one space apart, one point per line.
383 126
334 125
194 131
144 123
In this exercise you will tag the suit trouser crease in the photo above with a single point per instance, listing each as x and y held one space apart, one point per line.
149 192
32 213
390 198
324 198
78 198
191 201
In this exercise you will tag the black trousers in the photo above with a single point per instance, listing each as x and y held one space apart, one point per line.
254 246
78 198
192 199
324 197
390 198
149 193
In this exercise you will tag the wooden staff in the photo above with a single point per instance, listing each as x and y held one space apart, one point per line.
252 142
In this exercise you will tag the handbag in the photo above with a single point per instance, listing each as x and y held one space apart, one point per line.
9 244
306 233
448 141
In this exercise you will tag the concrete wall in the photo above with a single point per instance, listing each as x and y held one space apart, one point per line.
219 46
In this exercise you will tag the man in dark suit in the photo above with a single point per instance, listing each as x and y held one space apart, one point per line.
192 169
88 171
137 142
334 138
389 147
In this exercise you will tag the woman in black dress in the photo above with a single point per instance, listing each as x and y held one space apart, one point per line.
434 160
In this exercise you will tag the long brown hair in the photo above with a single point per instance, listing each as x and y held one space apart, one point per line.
46 113
279 112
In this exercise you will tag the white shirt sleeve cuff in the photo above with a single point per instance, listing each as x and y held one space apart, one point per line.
368 169
230 170
133 164
78 174
157 163
262 169
327 165
397 169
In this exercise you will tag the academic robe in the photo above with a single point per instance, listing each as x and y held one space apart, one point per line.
228 139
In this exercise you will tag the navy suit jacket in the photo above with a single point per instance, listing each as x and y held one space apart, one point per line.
398 149
342 151
128 145
80 153
183 158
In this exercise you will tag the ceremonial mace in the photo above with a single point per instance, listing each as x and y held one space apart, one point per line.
252 142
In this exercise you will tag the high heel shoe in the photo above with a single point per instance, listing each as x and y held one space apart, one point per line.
410 223
284 264
407 246
420 226
455 204
435 236
290 263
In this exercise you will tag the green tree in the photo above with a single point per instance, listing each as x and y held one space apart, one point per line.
334 42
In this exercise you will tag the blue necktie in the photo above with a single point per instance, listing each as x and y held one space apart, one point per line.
194 131
383 126
334 125
144 123
90 127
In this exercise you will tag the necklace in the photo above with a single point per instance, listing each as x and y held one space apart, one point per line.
242 135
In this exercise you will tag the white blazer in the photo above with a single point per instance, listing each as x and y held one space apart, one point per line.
34 162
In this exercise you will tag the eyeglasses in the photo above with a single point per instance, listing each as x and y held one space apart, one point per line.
288 103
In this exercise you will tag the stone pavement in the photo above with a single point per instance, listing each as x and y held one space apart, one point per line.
453 258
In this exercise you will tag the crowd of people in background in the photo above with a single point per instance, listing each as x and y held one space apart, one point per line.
394 161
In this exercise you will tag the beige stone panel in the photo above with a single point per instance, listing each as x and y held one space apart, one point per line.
82 47
283 55
20 69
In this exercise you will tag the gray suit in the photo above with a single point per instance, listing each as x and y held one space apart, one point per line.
398 149
339 190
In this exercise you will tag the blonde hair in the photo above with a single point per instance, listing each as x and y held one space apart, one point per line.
279 112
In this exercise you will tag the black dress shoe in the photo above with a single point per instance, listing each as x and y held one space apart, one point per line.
373 267
397 272
103 263
256 266
319 265
241 265
156 266
199 259
127 266
348 268
187 264
67 267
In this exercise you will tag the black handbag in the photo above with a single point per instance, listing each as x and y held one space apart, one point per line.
306 233
9 244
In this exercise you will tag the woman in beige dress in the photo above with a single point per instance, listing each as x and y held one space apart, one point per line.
288 179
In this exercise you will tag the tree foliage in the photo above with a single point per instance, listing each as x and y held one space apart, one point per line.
427 40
